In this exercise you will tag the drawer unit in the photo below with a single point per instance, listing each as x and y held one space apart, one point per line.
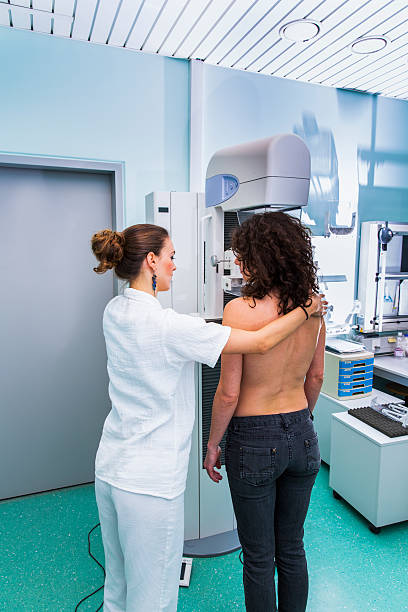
348 375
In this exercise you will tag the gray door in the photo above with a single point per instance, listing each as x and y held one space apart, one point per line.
53 381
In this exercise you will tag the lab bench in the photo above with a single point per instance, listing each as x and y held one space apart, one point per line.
369 470
327 405
392 368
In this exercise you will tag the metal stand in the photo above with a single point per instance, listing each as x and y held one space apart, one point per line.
213 546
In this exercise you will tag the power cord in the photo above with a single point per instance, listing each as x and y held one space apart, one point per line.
103 569
100 565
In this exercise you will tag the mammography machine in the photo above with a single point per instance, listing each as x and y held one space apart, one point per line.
269 174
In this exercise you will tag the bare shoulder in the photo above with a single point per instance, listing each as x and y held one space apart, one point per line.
246 314
234 311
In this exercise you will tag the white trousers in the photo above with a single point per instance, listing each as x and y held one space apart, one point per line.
143 541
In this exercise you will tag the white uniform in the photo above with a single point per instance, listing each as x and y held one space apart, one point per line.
142 459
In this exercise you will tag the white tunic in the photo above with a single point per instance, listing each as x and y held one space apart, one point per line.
146 438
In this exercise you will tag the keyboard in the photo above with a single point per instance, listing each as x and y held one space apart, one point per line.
344 346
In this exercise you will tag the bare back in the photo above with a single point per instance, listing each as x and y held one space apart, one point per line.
273 382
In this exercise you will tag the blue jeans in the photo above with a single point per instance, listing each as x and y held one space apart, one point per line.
272 462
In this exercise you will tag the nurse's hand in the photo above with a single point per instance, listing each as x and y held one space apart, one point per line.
318 305
212 460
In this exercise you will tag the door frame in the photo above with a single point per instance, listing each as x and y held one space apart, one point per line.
115 169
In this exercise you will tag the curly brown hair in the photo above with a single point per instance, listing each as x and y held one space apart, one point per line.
275 250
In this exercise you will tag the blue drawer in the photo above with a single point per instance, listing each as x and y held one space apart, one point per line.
350 378
355 392
349 366
356 384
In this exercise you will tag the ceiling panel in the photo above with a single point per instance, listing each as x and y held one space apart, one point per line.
266 34
327 14
21 17
105 17
368 63
181 29
402 86
42 22
4 15
149 13
64 7
369 66
26 3
340 48
62 25
220 31
170 15
344 60
43 5
208 20
85 13
244 28
340 25
240 34
126 18
380 68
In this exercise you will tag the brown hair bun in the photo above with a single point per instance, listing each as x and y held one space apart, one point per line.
107 246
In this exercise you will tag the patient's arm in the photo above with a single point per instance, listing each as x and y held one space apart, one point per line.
225 400
314 376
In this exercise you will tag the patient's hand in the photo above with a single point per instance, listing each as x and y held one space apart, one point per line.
212 460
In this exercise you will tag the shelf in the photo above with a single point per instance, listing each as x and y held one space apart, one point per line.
400 276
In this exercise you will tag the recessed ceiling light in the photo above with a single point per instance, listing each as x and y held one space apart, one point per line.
300 30
369 44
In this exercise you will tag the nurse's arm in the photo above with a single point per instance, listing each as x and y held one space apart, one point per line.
262 340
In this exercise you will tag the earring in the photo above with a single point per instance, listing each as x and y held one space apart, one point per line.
154 279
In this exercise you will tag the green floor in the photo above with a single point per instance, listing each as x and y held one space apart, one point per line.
44 562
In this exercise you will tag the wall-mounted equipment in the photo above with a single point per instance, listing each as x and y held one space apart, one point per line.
269 172
383 277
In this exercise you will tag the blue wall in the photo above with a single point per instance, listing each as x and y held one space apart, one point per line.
69 98
384 175
370 133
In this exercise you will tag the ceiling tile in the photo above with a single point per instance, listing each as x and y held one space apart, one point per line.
242 34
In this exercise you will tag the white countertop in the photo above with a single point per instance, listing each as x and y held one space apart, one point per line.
381 397
367 431
392 368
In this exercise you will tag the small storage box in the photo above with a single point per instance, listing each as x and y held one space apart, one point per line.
348 375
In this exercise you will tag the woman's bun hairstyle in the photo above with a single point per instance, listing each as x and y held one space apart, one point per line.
108 248
125 251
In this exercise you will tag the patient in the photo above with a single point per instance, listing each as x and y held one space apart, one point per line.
266 401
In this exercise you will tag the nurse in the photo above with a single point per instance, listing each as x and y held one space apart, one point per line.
142 459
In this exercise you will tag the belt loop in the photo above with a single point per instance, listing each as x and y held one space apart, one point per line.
284 423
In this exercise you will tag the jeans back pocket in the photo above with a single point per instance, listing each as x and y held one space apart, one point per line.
312 454
257 465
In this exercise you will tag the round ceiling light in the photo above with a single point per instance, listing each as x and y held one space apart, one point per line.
300 30
369 44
